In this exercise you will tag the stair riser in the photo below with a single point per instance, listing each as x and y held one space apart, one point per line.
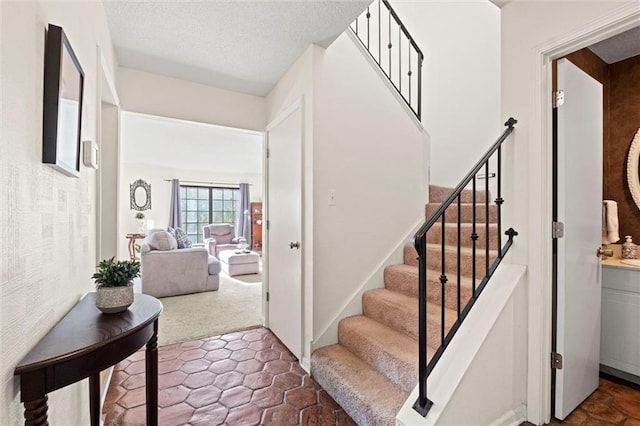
403 373
434 236
438 194
466 213
402 320
433 261
407 283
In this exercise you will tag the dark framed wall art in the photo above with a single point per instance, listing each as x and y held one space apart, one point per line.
62 106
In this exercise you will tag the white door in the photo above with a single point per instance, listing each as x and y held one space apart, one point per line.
580 209
284 213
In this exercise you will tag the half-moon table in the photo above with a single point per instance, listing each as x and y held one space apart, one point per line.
82 344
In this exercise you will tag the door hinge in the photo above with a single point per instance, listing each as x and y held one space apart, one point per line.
267 296
268 153
557 230
268 222
558 99
556 361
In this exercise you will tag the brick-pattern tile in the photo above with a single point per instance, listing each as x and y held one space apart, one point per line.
241 378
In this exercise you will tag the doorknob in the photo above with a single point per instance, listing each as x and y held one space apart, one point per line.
293 245
605 252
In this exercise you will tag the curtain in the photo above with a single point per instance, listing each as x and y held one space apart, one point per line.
175 221
243 215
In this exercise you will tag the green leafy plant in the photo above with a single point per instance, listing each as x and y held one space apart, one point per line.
116 273
139 215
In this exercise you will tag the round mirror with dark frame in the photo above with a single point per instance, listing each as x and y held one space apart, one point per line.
140 195
633 168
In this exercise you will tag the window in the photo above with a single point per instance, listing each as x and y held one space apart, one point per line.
202 205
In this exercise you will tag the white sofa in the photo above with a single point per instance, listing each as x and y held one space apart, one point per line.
169 271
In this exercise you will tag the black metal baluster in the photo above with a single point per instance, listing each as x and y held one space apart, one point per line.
409 74
379 35
443 277
499 201
368 15
389 46
487 234
459 241
357 19
474 238
422 404
400 59
420 58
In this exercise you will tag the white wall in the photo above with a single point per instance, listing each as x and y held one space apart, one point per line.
373 154
169 97
48 232
460 41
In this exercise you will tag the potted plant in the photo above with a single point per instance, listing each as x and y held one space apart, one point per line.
141 223
114 284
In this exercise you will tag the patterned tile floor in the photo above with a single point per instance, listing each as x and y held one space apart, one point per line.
613 403
242 378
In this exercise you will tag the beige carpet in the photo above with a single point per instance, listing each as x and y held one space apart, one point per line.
237 305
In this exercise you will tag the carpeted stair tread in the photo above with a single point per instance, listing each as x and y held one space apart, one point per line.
434 236
392 353
404 279
437 194
466 212
400 312
365 394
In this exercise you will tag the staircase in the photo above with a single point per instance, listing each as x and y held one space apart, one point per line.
374 366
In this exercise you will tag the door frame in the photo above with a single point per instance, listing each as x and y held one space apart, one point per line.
297 104
540 188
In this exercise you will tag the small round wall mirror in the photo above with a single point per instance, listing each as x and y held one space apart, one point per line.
633 168
140 195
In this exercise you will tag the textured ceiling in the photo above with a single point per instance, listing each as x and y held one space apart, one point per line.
620 47
244 46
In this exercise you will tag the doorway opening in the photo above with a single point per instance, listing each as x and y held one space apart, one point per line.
615 65
205 189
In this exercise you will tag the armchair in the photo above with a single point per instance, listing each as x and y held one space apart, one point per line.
219 237
168 271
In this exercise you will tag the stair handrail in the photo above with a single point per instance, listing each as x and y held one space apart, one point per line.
416 107
423 404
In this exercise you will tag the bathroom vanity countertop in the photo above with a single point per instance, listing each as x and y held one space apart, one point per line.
617 263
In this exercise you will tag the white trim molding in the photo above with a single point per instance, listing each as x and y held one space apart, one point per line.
540 197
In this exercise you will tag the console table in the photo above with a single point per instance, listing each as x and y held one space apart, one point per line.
82 344
131 246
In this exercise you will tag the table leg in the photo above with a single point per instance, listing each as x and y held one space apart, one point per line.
132 250
151 359
35 412
94 399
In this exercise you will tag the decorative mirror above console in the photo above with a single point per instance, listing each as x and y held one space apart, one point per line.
633 168
140 195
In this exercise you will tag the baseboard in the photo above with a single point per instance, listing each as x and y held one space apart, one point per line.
512 417
305 363
353 305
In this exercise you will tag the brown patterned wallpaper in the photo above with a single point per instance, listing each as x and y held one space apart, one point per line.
621 83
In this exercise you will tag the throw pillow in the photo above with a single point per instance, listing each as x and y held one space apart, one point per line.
182 239
171 231
162 240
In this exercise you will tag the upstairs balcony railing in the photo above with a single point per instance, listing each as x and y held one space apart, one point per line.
483 261
389 43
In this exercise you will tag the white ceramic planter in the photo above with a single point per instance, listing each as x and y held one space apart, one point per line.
111 300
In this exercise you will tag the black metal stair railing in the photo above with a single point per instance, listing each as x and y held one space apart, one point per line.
493 155
389 43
